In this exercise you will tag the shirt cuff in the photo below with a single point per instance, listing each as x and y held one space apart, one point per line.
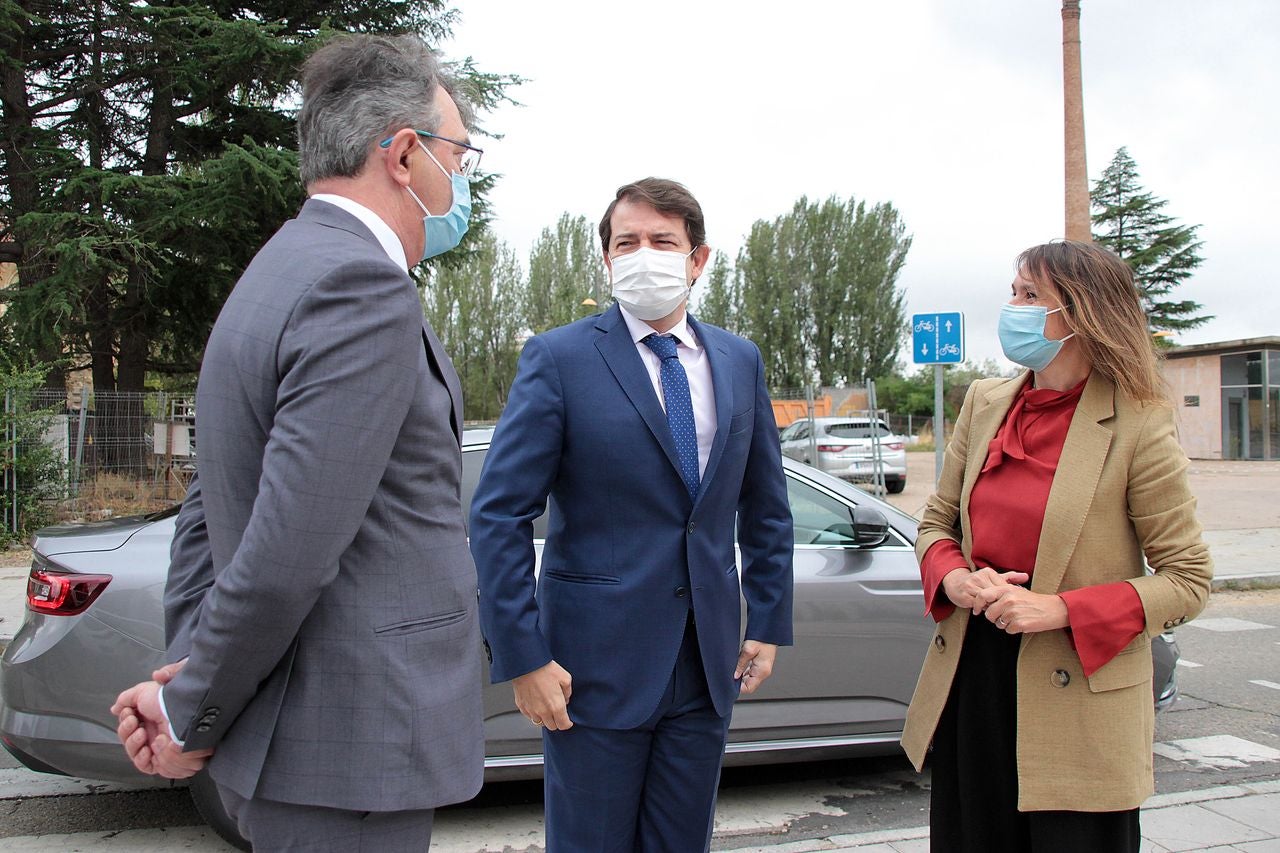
942 558
1103 620
163 710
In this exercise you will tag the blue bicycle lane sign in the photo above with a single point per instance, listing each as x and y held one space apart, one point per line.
937 338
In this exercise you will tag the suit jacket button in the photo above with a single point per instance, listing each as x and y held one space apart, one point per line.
939 642
203 727
681 592
1060 678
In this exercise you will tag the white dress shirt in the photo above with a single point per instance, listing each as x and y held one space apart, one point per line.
693 357
386 237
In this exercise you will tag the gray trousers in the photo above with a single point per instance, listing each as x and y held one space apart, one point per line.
274 827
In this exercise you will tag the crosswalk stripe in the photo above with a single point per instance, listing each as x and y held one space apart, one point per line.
1262 683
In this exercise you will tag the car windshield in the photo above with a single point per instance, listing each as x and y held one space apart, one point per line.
855 430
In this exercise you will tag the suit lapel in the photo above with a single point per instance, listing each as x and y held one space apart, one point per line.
619 353
444 367
722 388
1074 484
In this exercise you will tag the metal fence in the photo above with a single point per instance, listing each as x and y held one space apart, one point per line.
102 453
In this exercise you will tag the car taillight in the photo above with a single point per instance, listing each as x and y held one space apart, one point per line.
830 448
63 593
893 445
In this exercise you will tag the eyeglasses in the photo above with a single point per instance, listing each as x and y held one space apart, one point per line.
469 162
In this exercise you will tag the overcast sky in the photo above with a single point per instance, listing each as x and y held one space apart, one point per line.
951 111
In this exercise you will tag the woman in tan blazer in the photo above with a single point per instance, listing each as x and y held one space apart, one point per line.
1035 705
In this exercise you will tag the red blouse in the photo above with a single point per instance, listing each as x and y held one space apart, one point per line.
1006 513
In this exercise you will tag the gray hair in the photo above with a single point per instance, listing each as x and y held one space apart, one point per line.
359 89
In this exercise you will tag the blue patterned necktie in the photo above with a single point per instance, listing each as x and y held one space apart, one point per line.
675 393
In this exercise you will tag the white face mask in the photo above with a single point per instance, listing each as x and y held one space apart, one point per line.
650 283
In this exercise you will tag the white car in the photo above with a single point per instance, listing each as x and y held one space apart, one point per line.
844 449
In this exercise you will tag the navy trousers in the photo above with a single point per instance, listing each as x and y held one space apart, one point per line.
641 790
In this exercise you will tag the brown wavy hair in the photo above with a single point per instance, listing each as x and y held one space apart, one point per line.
1102 307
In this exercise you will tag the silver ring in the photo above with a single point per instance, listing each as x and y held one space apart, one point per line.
1000 623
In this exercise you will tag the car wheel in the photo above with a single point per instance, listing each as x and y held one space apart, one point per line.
895 487
204 793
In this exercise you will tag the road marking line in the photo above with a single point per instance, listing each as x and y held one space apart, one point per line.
1226 623
1188 664
19 783
1217 752
1261 683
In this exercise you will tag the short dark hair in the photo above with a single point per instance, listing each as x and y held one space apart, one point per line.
665 196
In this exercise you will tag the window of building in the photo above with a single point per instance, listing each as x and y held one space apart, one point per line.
1251 405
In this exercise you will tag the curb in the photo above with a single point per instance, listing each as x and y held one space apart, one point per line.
1241 583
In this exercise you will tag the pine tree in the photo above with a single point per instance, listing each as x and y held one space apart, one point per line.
146 152
1163 254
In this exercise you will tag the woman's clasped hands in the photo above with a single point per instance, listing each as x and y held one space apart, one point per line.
1010 607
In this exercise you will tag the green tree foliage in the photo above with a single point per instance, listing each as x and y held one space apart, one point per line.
477 310
817 290
1163 254
714 294
912 394
146 152
565 267
35 467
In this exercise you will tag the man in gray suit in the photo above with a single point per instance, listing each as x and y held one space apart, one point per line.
321 592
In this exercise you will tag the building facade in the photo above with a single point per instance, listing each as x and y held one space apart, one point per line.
1228 398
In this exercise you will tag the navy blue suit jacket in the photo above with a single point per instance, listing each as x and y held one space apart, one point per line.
627 551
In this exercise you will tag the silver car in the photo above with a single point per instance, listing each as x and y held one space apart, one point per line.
94 625
844 449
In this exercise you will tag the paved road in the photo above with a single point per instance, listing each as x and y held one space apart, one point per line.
1224 731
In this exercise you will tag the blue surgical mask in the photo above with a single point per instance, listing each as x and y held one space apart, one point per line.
444 232
1022 336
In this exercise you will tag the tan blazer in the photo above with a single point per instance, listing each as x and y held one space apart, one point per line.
1084 744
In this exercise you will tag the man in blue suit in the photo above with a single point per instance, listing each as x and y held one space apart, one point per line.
653 436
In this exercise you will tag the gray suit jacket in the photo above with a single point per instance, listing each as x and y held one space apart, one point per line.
321 581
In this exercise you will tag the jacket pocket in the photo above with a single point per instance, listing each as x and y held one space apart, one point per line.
1131 666
574 577
741 421
413 626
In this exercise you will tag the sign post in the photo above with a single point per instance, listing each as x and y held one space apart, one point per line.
937 339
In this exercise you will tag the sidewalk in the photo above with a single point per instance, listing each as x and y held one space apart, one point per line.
1242 818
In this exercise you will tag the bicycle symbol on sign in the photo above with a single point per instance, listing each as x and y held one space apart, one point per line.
924 326
949 349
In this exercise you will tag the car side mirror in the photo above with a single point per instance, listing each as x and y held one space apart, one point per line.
870 527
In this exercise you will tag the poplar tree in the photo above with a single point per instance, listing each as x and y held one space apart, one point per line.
565 268
476 308
816 289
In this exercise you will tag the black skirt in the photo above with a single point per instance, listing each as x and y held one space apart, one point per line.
974 766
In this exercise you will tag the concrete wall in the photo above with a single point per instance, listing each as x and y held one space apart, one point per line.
1199 427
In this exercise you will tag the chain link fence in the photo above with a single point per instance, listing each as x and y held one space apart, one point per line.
102 453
